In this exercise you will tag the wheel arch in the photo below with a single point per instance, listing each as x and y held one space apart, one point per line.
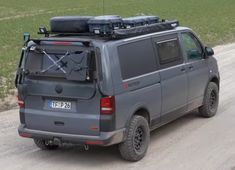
215 80
141 111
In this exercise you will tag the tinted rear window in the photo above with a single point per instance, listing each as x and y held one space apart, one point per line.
136 58
62 62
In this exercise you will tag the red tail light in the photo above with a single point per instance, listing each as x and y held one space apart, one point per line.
107 105
20 102
25 135
94 142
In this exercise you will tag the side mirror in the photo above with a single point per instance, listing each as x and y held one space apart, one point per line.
209 51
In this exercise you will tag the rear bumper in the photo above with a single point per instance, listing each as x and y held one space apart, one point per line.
105 138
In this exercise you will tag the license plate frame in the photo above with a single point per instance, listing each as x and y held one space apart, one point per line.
64 105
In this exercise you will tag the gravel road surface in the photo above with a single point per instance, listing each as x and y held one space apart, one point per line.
188 143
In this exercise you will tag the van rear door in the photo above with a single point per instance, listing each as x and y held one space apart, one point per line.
59 88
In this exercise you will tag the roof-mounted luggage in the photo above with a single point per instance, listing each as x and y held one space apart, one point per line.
70 24
109 26
105 24
139 21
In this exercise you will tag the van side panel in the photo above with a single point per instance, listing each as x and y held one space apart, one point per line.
173 76
146 97
106 83
139 92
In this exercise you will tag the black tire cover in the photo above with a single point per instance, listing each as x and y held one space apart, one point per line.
70 24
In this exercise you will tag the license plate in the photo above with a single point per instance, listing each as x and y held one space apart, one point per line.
60 105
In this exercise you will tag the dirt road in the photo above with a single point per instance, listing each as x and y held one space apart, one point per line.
188 143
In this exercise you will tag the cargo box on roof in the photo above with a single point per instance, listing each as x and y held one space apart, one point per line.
139 21
105 24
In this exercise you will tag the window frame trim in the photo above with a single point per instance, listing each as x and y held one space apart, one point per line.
183 46
164 41
167 38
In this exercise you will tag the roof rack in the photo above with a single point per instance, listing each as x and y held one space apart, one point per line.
120 33
141 30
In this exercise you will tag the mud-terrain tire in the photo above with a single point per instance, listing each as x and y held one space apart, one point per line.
211 101
136 144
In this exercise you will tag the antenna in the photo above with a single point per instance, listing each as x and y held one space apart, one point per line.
103 7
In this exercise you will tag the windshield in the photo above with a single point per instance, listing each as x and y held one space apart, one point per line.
71 63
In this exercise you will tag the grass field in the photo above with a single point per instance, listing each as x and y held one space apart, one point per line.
213 20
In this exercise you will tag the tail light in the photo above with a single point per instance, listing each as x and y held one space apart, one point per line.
25 135
107 105
20 102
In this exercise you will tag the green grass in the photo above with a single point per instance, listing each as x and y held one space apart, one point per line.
213 20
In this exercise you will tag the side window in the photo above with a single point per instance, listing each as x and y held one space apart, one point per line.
192 46
169 52
136 58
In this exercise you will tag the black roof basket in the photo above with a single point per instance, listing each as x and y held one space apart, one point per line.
163 25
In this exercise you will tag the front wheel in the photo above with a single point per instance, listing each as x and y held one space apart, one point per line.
136 144
211 101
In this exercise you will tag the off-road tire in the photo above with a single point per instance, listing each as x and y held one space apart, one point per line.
42 144
209 107
132 149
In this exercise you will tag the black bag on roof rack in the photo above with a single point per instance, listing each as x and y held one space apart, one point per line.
70 24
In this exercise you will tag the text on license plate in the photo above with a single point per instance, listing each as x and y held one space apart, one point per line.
60 105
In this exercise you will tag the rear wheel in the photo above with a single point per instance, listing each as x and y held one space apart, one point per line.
45 145
211 101
136 144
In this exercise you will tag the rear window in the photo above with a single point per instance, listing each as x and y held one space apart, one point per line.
136 58
71 63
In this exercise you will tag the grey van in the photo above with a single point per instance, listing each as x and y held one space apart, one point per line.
91 90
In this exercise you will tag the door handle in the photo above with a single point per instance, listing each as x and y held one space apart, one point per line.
59 123
183 69
191 67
